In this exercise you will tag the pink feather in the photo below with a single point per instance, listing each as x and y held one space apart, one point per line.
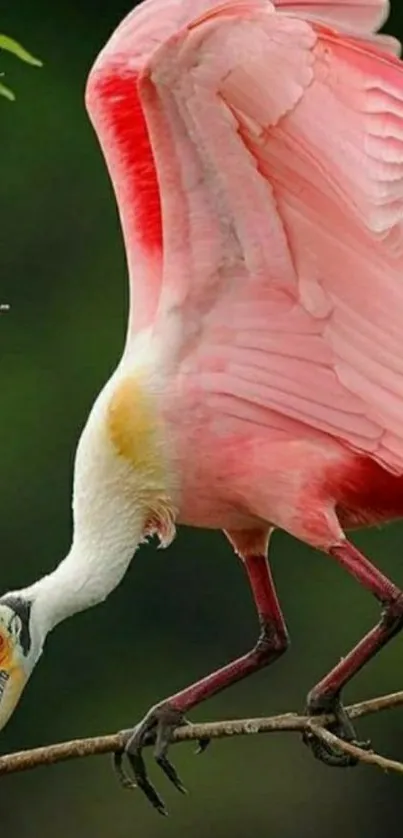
256 151
362 16
257 157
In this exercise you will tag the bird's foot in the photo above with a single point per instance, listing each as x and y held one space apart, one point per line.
342 727
156 728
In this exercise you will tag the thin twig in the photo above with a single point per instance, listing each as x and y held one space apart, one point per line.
292 722
353 750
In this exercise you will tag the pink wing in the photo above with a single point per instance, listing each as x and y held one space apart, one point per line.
362 16
277 147
118 103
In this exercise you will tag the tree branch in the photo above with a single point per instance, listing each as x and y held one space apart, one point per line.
291 722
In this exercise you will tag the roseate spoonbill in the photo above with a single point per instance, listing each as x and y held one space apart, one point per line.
256 152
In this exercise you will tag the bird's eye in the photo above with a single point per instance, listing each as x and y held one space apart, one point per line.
15 626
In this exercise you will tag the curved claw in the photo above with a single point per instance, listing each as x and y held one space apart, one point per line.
125 781
171 772
332 756
141 780
202 745
342 727
162 742
158 725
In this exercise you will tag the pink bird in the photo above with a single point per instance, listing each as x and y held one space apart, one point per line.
256 152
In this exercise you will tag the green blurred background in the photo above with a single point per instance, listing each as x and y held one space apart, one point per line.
179 613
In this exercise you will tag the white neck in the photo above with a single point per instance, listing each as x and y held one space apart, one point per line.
84 578
110 510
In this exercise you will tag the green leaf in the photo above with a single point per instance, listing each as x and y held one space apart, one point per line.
5 91
12 46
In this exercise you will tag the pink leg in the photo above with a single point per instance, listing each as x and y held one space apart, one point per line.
272 642
325 696
161 720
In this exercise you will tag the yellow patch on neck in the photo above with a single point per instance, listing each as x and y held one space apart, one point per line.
133 426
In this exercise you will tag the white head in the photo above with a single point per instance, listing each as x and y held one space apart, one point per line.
20 648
